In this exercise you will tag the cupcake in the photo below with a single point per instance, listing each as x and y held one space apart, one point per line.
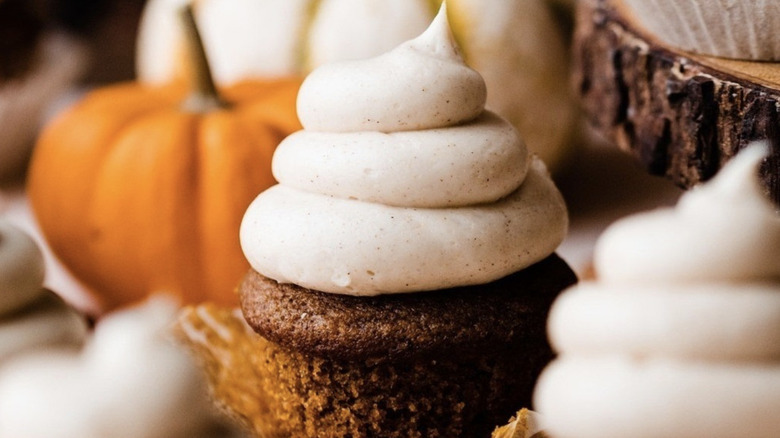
679 335
739 29
31 317
403 267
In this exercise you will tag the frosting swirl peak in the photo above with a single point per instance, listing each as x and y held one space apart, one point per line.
726 230
421 84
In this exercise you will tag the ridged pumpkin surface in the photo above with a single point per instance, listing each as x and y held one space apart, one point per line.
136 195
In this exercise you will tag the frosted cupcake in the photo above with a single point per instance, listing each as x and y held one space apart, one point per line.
680 334
403 268
740 29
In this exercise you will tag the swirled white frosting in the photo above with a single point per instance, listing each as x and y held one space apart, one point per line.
680 334
401 181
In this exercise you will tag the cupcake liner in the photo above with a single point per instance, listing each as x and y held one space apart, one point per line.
739 29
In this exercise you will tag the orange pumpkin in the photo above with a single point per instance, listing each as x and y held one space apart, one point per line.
139 189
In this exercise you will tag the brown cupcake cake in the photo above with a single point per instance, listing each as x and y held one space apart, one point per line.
403 267
444 363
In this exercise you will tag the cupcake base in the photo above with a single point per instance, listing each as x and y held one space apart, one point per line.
449 363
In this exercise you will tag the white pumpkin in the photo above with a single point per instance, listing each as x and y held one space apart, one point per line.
21 268
31 317
517 45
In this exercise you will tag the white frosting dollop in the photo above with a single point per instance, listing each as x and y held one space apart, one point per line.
680 334
129 381
401 181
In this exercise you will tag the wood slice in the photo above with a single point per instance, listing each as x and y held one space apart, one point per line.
680 114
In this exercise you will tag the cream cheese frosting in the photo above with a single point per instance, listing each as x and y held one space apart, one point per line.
680 334
401 181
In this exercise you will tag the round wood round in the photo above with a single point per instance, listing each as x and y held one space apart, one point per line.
680 114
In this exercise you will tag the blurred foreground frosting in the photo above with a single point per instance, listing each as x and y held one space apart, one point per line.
401 181
680 334
129 381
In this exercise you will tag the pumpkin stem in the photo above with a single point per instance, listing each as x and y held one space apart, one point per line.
204 96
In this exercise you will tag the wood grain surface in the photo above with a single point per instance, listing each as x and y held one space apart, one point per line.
679 114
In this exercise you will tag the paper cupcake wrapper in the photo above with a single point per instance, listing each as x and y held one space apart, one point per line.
739 29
